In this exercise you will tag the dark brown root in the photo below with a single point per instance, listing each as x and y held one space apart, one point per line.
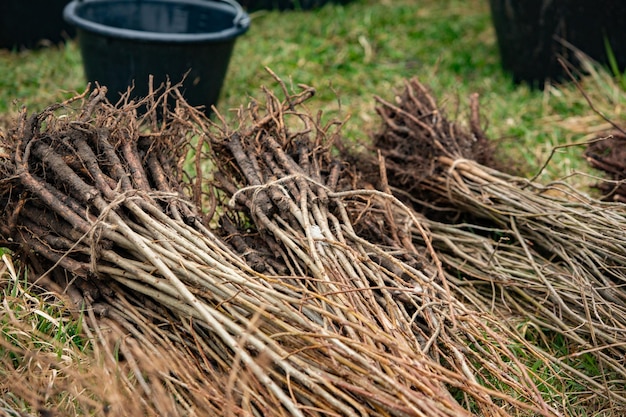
609 155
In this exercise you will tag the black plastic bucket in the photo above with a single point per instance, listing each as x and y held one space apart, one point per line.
123 42
533 34
32 23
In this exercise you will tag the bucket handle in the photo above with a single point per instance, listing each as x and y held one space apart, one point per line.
242 19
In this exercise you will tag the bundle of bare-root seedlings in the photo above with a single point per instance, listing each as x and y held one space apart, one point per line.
546 258
247 271
240 271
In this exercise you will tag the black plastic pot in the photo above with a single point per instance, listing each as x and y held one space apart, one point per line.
123 42
32 23
533 34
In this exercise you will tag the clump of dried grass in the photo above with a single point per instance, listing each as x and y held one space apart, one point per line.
46 367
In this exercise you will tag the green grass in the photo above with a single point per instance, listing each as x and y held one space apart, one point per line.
51 324
37 332
350 53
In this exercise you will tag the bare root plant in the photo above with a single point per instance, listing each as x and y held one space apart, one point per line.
547 255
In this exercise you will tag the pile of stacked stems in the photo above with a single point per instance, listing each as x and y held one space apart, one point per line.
249 270
547 256
99 198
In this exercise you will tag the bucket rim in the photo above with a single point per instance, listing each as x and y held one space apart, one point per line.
241 22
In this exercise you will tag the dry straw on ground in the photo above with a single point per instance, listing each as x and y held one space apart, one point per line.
275 282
